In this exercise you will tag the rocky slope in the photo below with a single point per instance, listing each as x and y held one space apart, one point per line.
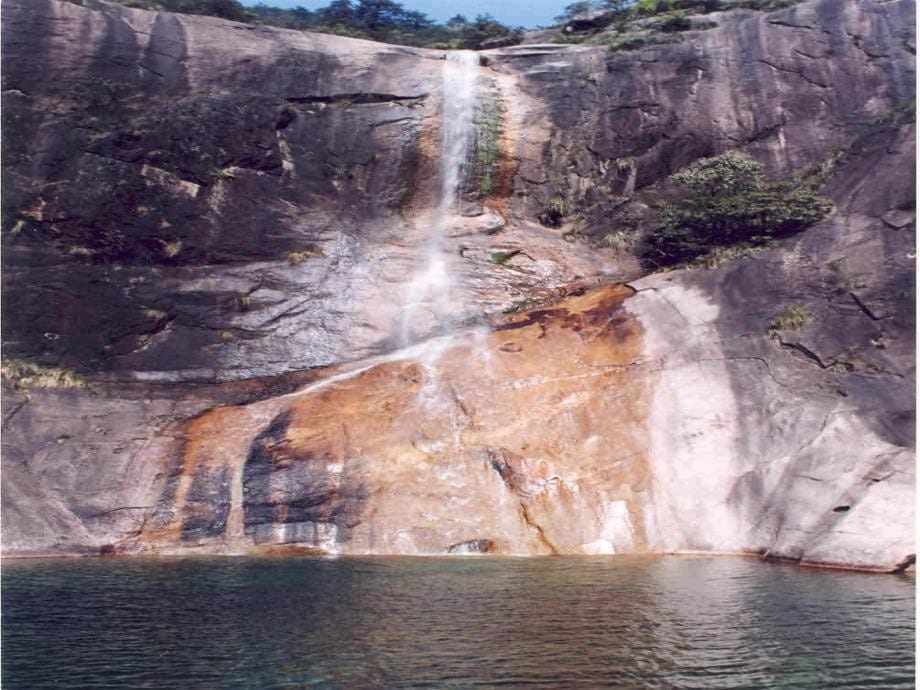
199 215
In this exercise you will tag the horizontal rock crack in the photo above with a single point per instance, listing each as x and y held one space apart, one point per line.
359 98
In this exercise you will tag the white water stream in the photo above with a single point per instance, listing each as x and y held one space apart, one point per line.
429 294
430 297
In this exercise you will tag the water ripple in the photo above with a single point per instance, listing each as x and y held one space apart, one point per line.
452 623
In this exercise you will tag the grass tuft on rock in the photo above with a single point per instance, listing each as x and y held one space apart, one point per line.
502 258
554 211
791 318
24 375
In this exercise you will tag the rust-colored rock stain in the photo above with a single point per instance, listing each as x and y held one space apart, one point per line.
531 437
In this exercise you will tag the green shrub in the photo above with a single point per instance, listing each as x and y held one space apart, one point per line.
731 173
379 20
574 9
637 41
298 257
621 240
722 255
816 174
650 7
673 22
223 173
570 39
730 202
763 5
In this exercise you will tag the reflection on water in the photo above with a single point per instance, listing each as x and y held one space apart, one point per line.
452 623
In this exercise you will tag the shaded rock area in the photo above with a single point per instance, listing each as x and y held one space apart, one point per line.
189 199
185 184
213 224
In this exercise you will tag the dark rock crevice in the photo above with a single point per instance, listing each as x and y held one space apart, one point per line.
541 534
864 308
472 546
364 98
906 563
515 483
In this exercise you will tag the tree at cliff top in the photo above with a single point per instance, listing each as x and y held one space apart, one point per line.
225 9
637 9
583 6
730 202
388 21
379 20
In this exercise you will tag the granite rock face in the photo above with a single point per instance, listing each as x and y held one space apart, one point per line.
201 215
206 200
186 184
788 87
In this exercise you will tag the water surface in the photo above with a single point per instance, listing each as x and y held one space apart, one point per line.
624 622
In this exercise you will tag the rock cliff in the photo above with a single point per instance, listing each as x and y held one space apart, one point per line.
207 233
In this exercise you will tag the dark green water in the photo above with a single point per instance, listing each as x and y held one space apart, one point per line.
452 623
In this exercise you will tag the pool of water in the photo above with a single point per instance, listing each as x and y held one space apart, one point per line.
622 622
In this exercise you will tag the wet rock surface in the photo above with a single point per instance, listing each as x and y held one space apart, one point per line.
415 455
198 214
208 200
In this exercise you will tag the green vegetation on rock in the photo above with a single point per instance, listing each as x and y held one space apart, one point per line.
623 25
671 22
892 116
653 7
722 255
621 240
489 113
379 20
729 202
791 318
223 174
554 211
637 41
523 305
816 174
225 9
502 258
24 375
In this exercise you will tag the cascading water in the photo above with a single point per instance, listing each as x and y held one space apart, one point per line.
429 298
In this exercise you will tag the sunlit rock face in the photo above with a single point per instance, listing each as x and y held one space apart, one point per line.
753 450
526 439
595 426
240 314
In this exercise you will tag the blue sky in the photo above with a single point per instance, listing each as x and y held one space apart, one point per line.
527 13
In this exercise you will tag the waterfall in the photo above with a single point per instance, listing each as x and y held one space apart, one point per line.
429 290
461 70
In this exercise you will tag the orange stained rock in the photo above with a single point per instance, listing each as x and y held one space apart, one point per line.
218 438
532 437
